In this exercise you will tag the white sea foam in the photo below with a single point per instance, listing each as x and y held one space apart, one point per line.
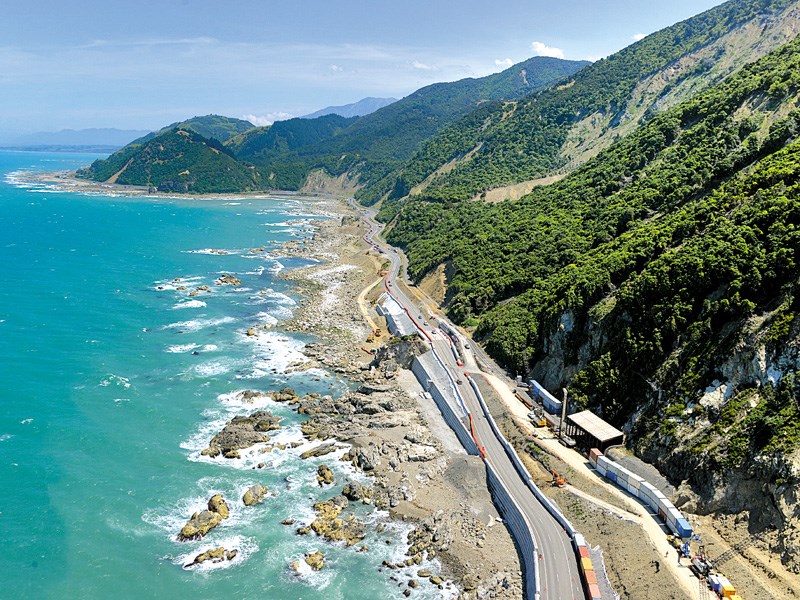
190 304
215 367
197 325
26 421
217 251
209 348
181 348
5 436
117 380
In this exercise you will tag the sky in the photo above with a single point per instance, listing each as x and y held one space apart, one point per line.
147 63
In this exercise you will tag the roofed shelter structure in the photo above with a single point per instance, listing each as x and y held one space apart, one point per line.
590 431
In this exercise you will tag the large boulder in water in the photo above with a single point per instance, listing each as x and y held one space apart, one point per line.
218 505
215 555
228 280
315 560
199 525
254 494
242 432
324 475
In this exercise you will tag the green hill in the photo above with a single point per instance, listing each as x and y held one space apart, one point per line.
178 160
560 128
660 283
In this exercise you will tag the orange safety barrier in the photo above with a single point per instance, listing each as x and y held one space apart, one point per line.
481 449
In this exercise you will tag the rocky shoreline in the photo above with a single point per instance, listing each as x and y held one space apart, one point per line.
419 471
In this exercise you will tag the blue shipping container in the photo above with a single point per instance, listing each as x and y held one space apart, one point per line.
612 476
683 527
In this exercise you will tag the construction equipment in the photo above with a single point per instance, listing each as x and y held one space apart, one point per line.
558 480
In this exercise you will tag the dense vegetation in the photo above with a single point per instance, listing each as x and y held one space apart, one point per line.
213 129
178 160
524 141
648 261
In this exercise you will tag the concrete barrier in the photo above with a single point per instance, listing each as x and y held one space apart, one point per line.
520 532
426 369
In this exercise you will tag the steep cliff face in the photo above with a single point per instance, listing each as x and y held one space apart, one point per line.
733 445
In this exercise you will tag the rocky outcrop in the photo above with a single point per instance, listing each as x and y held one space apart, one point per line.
204 521
228 280
318 451
215 555
315 560
330 525
324 475
218 505
254 494
354 491
242 432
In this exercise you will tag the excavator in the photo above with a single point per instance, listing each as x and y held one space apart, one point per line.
558 480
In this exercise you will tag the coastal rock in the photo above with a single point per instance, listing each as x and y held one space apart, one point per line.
228 280
199 525
355 491
287 394
321 450
215 555
218 505
324 475
254 494
315 560
250 396
242 432
332 527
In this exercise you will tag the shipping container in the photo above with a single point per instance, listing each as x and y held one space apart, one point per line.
594 453
583 551
600 469
602 460
579 540
632 490
586 563
612 476
590 577
728 591
662 514
684 528
594 592
713 581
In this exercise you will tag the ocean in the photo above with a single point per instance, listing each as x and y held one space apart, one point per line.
113 378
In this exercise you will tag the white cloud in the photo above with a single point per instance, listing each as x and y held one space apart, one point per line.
505 63
336 68
267 119
541 49
638 36
422 66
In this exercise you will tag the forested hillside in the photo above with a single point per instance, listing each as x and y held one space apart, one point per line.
560 128
178 160
659 282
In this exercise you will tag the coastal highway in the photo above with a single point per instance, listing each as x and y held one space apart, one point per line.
558 571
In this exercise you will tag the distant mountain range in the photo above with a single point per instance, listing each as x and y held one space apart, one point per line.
363 107
106 137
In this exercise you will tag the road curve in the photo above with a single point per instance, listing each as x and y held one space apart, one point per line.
559 578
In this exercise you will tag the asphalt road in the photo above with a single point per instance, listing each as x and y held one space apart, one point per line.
558 570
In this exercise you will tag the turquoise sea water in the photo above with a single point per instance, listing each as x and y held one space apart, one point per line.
112 380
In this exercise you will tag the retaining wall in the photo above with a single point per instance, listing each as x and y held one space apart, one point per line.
426 370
